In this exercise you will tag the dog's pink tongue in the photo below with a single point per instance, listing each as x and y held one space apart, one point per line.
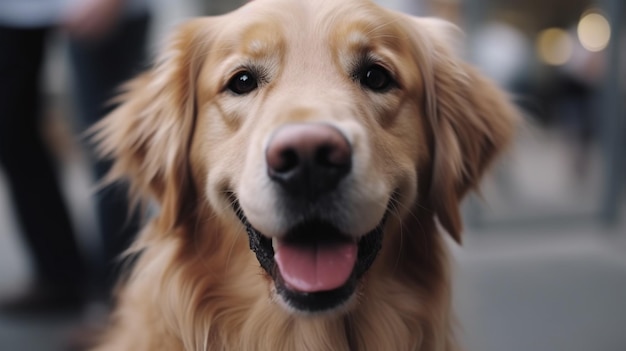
316 267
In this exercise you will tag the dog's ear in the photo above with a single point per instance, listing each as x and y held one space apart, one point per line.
148 135
471 120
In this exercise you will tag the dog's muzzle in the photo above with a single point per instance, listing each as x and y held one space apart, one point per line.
314 265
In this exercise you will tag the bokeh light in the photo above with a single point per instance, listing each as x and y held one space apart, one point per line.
554 46
594 31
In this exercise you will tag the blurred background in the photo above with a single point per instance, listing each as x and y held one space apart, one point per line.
543 265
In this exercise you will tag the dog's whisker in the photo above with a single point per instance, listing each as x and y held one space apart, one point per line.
238 233
394 210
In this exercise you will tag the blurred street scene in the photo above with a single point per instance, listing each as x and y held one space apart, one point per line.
543 265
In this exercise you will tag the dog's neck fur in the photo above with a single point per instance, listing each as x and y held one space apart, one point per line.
224 305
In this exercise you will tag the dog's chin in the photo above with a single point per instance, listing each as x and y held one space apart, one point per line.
326 293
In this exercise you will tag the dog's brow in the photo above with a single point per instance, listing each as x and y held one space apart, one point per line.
357 39
256 46
262 39
260 47
356 46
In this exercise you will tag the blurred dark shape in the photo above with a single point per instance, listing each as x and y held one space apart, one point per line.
100 66
32 178
107 42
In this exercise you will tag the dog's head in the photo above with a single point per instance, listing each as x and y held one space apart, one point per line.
312 124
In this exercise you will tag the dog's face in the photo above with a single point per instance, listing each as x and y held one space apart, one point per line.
309 125
312 124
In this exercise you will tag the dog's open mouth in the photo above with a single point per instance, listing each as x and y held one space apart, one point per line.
314 267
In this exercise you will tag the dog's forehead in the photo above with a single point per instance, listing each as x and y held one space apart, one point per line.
301 42
265 26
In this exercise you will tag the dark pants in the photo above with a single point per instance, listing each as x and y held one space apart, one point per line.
31 175
33 185
99 69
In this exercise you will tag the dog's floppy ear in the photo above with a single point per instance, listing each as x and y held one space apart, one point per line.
149 133
471 121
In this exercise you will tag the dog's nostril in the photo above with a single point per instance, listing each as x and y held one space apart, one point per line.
330 156
308 158
289 160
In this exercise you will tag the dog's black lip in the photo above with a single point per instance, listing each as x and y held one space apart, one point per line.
368 247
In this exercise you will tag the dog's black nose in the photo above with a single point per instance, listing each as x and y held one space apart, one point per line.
308 159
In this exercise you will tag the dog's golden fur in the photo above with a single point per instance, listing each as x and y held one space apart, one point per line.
179 138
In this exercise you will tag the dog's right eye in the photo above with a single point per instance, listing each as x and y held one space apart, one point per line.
242 83
376 78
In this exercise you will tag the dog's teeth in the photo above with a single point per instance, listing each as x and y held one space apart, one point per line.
275 244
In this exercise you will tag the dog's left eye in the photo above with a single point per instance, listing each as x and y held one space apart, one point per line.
242 83
376 78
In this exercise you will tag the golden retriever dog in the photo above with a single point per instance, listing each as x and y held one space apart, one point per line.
304 155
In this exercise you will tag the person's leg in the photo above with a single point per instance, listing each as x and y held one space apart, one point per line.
99 69
33 184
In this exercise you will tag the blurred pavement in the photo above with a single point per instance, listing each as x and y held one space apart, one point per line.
543 290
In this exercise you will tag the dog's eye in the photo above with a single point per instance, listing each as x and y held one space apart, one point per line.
242 83
376 78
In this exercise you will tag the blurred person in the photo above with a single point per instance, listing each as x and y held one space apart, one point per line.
104 55
107 40
574 106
